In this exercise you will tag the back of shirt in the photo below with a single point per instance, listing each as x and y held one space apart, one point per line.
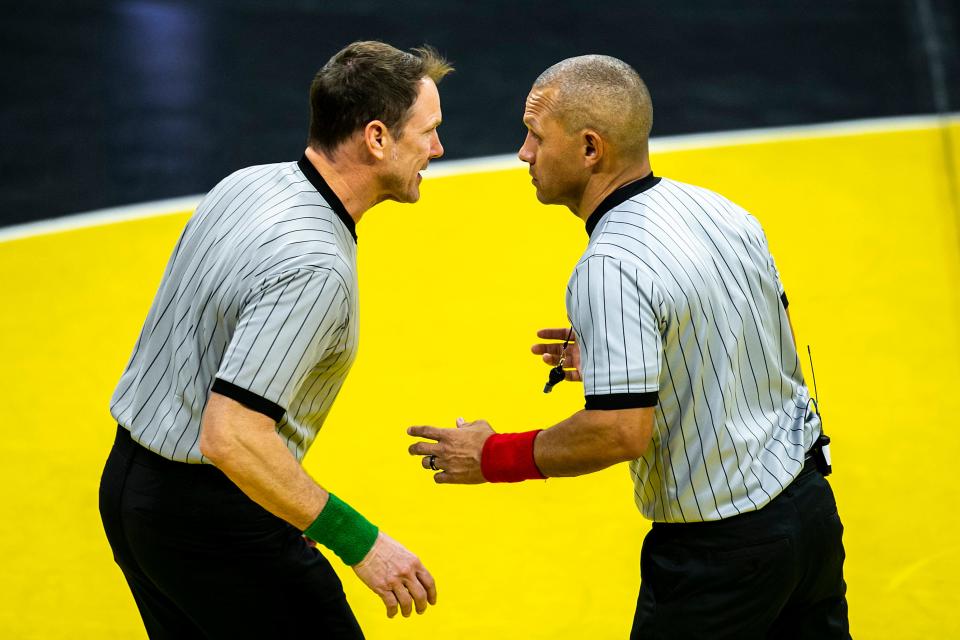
258 302
677 304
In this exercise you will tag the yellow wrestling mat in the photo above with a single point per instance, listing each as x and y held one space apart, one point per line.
452 290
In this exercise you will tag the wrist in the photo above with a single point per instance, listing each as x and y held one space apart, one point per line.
343 530
509 457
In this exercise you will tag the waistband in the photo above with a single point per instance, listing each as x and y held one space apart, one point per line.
139 454
809 462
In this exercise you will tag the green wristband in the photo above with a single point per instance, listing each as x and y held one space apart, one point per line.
344 531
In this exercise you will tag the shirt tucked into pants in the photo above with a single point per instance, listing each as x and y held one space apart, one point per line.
772 573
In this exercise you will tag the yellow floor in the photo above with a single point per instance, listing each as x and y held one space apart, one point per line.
452 292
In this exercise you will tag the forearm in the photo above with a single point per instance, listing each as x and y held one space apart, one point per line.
267 472
585 442
254 457
589 441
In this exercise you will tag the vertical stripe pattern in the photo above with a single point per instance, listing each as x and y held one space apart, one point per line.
260 293
677 295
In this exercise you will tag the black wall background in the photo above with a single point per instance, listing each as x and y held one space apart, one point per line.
108 103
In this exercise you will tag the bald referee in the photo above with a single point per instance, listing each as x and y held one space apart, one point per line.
250 337
681 337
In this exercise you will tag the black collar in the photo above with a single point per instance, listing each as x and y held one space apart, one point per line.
324 189
622 194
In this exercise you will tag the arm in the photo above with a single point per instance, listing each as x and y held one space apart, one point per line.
244 445
589 441
585 442
617 424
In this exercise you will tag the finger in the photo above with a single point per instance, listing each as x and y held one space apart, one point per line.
551 359
431 433
423 449
403 597
572 375
391 601
461 422
556 334
428 583
418 593
425 462
442 477
555 348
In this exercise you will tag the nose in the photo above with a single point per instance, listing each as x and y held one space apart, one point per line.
436 149
526 153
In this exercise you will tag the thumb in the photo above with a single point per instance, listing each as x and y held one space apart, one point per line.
461 422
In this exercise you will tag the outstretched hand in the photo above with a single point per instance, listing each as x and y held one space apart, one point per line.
397 576
550 352
455 454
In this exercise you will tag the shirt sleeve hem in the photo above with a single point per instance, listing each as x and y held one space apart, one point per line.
249 399
622 401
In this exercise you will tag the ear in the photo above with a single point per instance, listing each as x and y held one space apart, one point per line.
376 137
594 148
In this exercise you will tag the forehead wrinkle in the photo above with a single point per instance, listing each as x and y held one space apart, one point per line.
539 108
542 101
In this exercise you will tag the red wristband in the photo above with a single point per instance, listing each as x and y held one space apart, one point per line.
508 457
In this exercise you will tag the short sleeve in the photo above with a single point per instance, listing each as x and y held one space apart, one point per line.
287 325
614 309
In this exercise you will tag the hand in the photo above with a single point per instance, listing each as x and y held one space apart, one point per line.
551 352
397 576
457 450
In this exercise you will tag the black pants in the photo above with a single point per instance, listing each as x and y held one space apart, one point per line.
772 573
205 561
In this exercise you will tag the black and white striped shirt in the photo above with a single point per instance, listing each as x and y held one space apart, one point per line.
677 303
259 303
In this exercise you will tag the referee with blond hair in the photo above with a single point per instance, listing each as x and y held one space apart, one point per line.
681 337
210 515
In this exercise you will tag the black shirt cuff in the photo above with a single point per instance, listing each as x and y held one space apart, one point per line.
249 399
622 401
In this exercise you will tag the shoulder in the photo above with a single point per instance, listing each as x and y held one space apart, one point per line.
301 287
255 175
281 225
609 266
694 197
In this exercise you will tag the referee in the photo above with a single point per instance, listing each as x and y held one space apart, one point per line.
683 343
250 337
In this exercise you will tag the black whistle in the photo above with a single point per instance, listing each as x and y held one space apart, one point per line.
556 375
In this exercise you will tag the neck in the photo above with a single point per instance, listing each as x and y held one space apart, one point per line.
602 184
349 179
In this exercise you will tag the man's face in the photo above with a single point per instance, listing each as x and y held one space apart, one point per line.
418 144
552 153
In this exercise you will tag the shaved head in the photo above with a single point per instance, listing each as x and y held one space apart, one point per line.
604 94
